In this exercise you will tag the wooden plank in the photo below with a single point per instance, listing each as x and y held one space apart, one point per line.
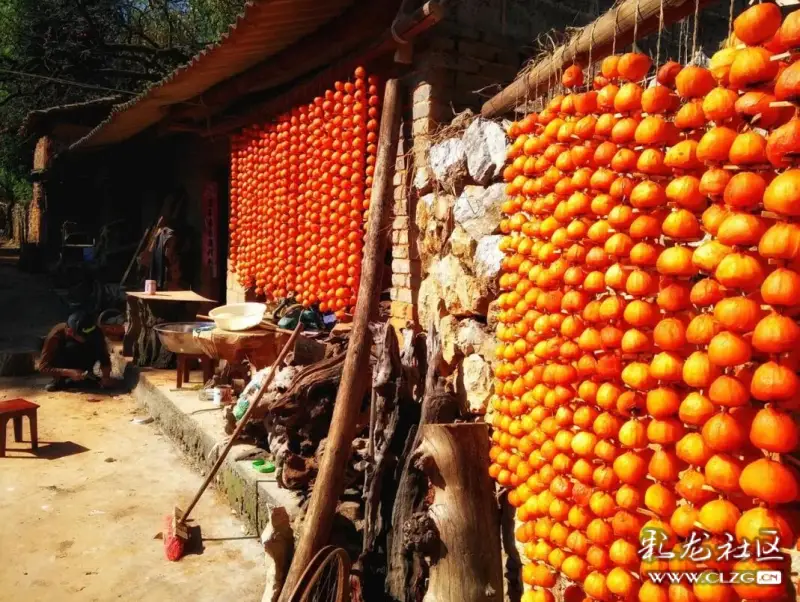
599 36
174 296
353 386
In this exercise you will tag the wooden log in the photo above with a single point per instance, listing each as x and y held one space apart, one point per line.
406 572
384 418
394 418
512 563
296 398
466 562
353 386
599 36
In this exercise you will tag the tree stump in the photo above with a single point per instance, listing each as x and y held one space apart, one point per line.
465 561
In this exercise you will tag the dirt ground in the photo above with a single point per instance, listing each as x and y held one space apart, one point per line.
78 517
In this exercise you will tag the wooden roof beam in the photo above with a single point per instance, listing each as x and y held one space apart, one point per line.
304 90
332 40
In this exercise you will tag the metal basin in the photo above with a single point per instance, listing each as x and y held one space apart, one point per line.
177 337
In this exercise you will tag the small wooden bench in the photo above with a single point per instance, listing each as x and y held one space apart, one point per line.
16 409
184 361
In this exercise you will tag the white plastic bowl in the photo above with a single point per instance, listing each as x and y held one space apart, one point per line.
238 316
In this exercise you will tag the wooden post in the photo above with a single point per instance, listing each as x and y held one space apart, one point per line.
599 36
355 374
466 562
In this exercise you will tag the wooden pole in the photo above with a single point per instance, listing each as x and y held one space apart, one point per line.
355 374
466 563
599 36
243 422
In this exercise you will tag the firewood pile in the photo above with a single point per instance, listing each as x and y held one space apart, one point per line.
411 441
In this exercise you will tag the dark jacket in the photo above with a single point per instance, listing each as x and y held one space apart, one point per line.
61 351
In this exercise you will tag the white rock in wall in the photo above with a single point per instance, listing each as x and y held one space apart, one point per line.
477 209
434 223
463 294
424 211
443 207
448 162
462 245
485 147
422 180
476 376
488 258
471 336
430 305
448 333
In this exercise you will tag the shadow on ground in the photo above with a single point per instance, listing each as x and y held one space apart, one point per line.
48 450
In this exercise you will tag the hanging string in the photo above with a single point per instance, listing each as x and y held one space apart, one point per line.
551 70
696 20
683 39
660 28
616 27
686 32
589 68
635 26
730 21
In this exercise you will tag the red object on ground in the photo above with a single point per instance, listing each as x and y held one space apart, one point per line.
15 410
173 545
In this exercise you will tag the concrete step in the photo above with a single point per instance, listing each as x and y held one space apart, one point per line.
196 428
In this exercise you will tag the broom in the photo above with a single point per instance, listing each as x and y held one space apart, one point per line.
175 534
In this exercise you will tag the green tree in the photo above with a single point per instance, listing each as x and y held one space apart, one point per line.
55 52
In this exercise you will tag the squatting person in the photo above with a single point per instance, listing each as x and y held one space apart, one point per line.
71 351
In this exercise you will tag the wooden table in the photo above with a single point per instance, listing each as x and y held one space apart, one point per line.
146 311
16 410
259 346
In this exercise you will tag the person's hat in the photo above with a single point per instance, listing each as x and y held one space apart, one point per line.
81 322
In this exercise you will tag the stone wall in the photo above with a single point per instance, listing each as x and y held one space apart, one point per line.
475 50
457 224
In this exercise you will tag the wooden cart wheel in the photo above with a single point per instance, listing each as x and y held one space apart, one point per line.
327 578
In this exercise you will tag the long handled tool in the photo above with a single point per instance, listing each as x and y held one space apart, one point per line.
175 532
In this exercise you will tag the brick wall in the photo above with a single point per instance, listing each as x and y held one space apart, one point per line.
463 60
235 292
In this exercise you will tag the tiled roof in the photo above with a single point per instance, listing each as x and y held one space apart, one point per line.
264 28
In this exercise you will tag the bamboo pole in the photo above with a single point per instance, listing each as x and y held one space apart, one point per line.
599 36
355 374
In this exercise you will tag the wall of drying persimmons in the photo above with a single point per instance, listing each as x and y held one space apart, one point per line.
647 361
300 188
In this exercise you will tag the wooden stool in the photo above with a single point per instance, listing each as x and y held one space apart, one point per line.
184 361
15 409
